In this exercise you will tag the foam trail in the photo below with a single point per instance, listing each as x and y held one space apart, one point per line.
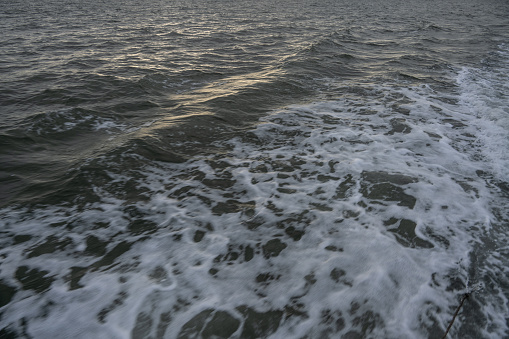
361 216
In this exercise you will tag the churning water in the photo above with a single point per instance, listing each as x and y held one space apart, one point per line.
242 169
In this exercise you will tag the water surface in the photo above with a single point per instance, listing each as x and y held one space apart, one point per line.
249 169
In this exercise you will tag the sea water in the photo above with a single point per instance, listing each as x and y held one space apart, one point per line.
221 169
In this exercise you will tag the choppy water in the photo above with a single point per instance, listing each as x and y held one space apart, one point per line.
254 170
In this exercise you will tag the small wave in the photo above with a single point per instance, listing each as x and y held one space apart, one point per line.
73 120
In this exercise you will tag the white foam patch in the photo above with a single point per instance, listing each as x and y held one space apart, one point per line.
355 216
484 96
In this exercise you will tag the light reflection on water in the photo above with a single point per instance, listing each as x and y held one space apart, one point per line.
250 169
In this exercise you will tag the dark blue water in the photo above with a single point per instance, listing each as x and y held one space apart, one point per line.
254 169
